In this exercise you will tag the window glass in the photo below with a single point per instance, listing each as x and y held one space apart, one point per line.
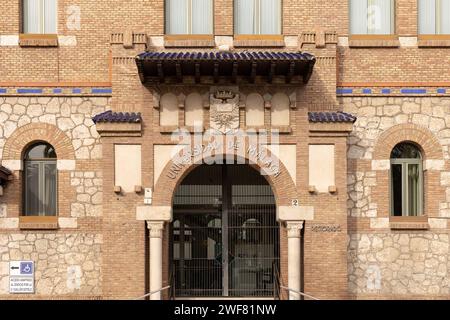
405 151
371 16
49 192
32 200
270 17
445 17
434 16
245 18
397 189
189 16
41 151
413 189
202 16
40 180
40 16
257 16
406 180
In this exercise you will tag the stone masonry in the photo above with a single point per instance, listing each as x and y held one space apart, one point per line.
89 193
375 116
64 263
71 115
399 264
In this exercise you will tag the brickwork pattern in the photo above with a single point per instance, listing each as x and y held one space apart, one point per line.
109 248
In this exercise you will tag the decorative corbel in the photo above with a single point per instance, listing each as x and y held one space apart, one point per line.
293 100
267 100
128 39
242 100
156 100
181 100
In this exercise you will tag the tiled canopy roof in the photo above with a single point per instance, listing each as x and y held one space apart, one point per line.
157 66
4 174
109 116
338 116
226 55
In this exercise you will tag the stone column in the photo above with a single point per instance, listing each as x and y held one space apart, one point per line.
156 232
294 257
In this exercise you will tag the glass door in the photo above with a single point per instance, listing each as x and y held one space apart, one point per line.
225 237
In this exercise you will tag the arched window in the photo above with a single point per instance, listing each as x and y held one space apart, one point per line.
406 180
40 179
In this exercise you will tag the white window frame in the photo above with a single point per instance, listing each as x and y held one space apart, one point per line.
368 31
437 19
404 163
42 18
188 18
257 17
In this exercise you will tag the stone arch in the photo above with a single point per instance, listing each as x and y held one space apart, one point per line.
426 141
24 136
282 185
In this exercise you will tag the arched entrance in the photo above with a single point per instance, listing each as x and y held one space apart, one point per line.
224 238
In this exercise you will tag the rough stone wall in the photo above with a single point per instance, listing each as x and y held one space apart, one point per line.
375 116
383 262
72 115
67 260
65 264
400 264
89 190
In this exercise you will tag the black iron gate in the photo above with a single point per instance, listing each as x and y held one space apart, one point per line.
225 237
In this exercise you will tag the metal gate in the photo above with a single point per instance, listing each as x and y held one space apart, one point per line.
225 237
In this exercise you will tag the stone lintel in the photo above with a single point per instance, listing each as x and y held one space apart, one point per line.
434 164
381 165
67 223
65 165
13 165
292 213
154 213
9 223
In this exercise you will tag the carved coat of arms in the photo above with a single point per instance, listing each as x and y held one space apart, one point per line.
224 111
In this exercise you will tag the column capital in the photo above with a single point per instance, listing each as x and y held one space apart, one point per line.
294 229
156 228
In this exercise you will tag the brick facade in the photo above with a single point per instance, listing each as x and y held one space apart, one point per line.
396 86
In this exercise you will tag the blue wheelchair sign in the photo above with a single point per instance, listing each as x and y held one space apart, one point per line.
26 267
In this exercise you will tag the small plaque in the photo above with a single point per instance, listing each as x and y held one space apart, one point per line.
21 277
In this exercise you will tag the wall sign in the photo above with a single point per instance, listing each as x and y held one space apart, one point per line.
269 164
326 228
21 277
